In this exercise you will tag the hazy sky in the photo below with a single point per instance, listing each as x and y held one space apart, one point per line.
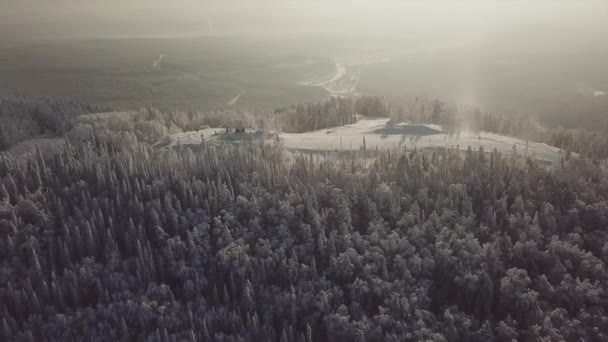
78 18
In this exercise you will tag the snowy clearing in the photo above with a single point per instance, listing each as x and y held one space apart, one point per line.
378 134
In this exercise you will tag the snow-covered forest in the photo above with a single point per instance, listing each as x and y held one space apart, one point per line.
303 171
251 243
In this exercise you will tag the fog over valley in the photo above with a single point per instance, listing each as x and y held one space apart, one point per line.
513 56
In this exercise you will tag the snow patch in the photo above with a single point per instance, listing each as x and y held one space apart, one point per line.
378 133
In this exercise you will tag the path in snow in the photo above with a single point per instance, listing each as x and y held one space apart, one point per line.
236 98
345 79
156 63
340 72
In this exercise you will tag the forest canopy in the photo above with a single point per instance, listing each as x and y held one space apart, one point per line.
251 243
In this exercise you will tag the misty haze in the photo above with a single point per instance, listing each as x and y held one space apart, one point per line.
267 170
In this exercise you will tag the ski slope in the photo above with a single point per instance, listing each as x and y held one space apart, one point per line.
379 134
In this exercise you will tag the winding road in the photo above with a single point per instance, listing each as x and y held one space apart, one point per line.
344 80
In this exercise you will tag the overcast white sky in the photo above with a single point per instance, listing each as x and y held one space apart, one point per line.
55 18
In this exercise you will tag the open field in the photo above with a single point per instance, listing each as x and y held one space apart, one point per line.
374 134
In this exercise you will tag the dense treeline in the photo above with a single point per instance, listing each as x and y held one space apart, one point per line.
589 143
337 111
237 244
25 119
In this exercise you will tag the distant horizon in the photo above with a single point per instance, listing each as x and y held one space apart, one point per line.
69 19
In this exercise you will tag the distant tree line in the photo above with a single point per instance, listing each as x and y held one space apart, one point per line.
337 111
26 119
592 144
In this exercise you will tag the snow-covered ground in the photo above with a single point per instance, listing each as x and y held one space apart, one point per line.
378 134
